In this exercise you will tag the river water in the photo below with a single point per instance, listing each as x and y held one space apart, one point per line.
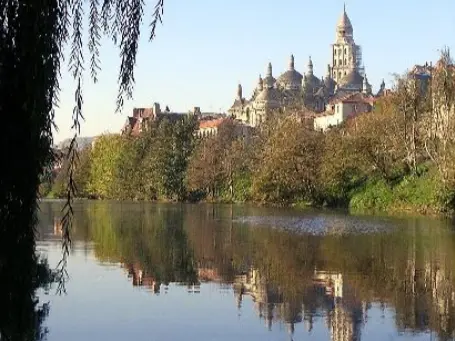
221 272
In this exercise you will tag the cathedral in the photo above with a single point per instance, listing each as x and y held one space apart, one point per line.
345 76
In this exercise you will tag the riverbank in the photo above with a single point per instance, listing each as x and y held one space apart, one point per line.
422 195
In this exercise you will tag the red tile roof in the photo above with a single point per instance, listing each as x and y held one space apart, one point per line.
205 124
357 97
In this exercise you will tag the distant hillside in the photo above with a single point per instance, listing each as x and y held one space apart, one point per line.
82 142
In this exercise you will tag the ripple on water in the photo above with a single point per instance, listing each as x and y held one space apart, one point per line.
319 225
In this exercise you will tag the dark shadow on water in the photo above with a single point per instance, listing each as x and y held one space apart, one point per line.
22 315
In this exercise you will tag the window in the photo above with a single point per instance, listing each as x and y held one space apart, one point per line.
344 50
335 62
345 61
335 52
340 62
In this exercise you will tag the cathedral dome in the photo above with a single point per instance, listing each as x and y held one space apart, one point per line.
311 81
291 78
352 80
269 97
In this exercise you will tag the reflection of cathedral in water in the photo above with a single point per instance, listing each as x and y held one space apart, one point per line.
344 314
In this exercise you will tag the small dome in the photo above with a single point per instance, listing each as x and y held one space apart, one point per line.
312 81
352 80
291 78
268 96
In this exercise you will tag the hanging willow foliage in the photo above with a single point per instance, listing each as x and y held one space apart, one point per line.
33 36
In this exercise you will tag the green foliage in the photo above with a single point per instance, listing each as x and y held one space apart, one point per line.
383 160
424 193
376 194
105 163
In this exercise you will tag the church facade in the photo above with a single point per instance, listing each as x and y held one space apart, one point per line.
345 76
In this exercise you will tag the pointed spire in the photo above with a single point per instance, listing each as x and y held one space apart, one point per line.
365 84
383 84
291 63
269 70
239 91
344 26
329 71
310 66
260 83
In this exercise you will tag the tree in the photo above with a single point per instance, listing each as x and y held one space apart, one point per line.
33 37
289 163
439 124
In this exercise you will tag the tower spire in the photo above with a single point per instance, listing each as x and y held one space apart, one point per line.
310 66
239 91
291 62
269 70
344 7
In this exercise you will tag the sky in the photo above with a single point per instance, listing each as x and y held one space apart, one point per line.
205 48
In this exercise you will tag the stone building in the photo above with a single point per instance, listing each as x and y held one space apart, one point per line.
135 124
210 127
344 77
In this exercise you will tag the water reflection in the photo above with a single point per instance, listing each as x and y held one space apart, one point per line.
334 279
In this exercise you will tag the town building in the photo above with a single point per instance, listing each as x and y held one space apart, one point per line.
340 109
342 93
211 127
142 117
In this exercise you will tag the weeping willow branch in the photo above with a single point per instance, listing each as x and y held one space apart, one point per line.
117 19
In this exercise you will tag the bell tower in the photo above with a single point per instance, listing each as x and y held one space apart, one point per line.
346 55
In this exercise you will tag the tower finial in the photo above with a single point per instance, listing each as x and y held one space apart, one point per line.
239 91
260 83
310 66
365 84
291 62
344 7
269 70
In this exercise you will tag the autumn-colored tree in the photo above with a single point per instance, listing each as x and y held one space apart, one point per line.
440 122
288 163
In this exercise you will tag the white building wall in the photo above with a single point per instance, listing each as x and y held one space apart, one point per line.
327 121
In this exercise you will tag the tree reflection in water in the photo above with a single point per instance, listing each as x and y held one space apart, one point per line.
291 278
21 314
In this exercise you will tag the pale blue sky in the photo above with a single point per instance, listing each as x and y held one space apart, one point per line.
205 47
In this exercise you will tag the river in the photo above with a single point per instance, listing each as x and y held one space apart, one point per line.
220 272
